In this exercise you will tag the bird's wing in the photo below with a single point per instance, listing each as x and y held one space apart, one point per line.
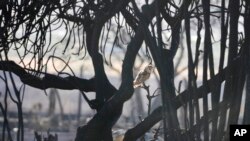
141 77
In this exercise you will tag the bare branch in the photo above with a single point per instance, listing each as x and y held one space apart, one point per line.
48 80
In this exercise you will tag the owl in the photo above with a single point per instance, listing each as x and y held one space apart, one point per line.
143 75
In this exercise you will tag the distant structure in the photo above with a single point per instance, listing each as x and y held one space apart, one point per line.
143 75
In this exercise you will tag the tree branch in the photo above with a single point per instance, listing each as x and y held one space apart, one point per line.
48 80
141 128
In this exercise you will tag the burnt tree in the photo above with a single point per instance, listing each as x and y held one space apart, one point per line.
157 28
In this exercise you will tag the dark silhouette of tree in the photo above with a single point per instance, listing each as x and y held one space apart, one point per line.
215 89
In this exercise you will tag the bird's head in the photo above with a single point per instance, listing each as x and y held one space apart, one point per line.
149 68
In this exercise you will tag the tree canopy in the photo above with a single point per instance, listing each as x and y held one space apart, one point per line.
207 41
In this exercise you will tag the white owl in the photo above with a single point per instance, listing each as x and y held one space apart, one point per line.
143 75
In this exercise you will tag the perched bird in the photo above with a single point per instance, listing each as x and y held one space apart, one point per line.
143 75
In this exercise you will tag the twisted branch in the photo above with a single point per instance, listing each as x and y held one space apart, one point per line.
48 80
